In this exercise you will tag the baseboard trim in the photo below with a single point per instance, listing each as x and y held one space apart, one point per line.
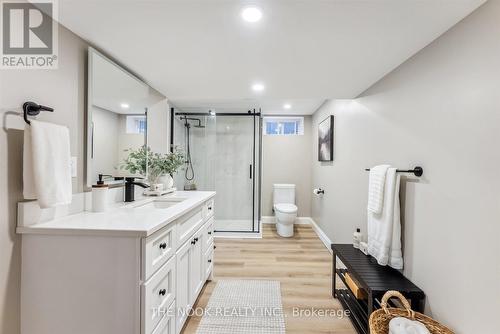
305 221
271 220
322 235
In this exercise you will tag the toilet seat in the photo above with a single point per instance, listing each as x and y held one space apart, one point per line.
286 208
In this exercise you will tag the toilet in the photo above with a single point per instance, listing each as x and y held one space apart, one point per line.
284 208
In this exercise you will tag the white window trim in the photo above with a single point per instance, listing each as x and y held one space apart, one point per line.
130 128
269 119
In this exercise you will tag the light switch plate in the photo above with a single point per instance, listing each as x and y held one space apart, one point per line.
74 170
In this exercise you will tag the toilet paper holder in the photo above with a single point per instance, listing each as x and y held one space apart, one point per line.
319 191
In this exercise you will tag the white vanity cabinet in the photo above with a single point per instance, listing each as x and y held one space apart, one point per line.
192 268
100 283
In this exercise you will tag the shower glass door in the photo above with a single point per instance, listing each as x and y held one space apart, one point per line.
236 175
224 157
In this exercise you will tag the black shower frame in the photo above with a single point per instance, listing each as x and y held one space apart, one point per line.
255 115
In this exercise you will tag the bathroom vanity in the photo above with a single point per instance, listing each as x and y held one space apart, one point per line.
136 268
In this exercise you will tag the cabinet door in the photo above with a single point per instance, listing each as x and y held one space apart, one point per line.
167 324
197 264
183 286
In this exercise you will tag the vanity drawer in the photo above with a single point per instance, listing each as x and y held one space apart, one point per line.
209 208
188 224
167 323
157 249
209 261
209 234
156 295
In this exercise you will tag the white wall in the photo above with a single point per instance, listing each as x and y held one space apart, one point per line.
287 159
63 89
440 110
159 126
127 141
106 154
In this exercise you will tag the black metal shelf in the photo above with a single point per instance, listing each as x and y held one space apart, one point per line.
374 279
357 319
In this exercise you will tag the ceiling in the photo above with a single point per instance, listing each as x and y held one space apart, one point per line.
267 106
301 50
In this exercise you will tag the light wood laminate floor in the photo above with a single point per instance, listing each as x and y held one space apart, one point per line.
303 266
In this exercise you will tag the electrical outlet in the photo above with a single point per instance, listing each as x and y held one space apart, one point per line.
74 170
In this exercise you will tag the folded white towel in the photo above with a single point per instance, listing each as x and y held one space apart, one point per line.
376 188
47 164
384 229
400 325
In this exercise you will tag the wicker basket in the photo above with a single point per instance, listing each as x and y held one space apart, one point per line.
379 319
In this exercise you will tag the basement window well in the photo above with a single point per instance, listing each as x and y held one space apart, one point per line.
136 124
283 126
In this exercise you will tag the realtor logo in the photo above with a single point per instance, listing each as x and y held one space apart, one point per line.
29 34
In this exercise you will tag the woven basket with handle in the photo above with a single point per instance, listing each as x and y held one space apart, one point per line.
379 319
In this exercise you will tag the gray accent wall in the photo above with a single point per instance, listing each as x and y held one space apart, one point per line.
64 90
441 110
287 159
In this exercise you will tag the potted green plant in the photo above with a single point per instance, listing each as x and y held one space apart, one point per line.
165 165
159 168
136 162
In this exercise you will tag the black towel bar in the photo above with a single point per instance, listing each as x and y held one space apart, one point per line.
33 109
417 171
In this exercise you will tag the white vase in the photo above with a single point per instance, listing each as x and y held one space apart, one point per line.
167 181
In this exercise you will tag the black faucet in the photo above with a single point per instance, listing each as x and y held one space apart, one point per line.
129 188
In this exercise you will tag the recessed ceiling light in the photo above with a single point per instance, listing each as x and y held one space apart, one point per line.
251 14
287 106
258 87
125 105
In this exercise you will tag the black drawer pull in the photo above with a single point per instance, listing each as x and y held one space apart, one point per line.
209 261
209 233
193 242
162 292
210 208
163 245
195 239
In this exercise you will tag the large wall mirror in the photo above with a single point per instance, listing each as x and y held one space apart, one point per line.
120 109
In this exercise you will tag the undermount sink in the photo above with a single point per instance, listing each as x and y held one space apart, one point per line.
161 203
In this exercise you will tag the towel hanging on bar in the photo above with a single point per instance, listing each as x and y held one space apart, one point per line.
417 171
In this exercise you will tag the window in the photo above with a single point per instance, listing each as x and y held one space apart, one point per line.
136 124
284 126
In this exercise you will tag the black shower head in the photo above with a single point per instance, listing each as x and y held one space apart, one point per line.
187 119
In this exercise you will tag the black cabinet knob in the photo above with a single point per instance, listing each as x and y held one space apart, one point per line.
162 292
195 239
210 208
193 242
209 233
209 261
163 245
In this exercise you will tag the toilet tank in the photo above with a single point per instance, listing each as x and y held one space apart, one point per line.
284 193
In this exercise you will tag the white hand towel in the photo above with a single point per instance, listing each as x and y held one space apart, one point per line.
400 325
376 188
384 229
47 164
29 191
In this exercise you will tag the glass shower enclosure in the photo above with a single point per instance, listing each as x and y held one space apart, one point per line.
223 154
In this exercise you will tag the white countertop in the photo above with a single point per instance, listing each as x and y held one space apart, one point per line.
123 219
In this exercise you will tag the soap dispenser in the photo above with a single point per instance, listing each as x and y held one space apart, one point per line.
357 236
100 195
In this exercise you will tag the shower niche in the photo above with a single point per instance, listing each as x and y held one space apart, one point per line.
223 154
